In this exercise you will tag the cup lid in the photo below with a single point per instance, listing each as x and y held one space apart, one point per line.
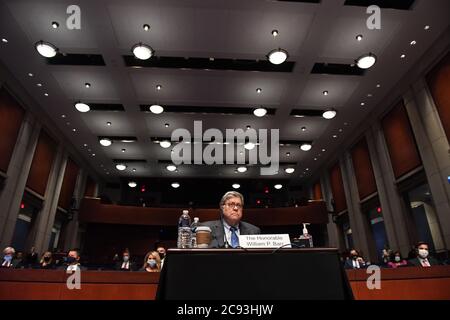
203 228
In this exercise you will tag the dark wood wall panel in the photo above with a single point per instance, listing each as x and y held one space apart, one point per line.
43 159
11 118
89 191
68 185
337 188
363 169
317 191
439 83
400 141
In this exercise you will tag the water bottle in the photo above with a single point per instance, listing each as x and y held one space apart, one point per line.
194 226
306 236
184 231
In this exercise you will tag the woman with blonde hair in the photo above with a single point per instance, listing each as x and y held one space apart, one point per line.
46 261
152 262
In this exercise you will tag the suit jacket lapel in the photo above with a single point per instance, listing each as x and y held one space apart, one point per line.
220 234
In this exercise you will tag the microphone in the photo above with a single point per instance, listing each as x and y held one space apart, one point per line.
225 241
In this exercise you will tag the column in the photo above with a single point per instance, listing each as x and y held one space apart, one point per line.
332 227
391 201
17 175
360 228
434 150
46 217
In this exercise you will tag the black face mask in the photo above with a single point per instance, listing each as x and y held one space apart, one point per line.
354 256
47 259
162 255
70 260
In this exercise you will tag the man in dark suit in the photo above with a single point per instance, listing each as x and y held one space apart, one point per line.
225 232
126 264
423 259
355 261
72 261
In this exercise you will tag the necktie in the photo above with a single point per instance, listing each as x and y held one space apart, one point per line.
426 263
234 237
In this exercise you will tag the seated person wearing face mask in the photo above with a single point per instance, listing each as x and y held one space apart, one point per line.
355 261
72 261
46 261
397 261
152 262
162 254
423 259
7 260
125 264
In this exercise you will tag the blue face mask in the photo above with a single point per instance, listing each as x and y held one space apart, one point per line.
151 263
8 258
70 260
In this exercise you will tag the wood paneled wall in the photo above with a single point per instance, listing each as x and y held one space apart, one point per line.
362 165
68 185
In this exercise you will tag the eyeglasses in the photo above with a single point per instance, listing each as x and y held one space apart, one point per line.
232 205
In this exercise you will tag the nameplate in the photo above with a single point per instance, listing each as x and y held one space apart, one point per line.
265 241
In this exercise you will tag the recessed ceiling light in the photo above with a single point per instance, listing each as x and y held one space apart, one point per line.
378 85
274 33
87 85
340 130
335 136
303 128
55 25
402 56
82 107
89 150
68 123
325 93
307 169
289 170
258 90
427 27
288 154
74 130
277 56
249 146
121 166
46 94
165 144
108 123
107 173
4 40
171 167
156 109
146 27
366 61
30 74
39 84
329 114
46 49
123 150
105 142
85 145
175 185
359 37
93 154
236 186
142 51
315 159
278 186
306 146
242 169
63 116
413 43
363 104
166 125
260 112
248 127
132 184
323 150
369 95
345 123
134 169
158 87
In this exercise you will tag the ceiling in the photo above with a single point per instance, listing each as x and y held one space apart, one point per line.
323 32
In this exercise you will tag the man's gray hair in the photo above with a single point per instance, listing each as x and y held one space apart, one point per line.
9 249
231 194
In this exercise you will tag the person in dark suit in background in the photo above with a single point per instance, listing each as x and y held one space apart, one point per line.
423 258
225 232
72 261
355 261
31 257
125 264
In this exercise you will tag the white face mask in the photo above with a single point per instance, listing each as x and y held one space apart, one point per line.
397 259
423 253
